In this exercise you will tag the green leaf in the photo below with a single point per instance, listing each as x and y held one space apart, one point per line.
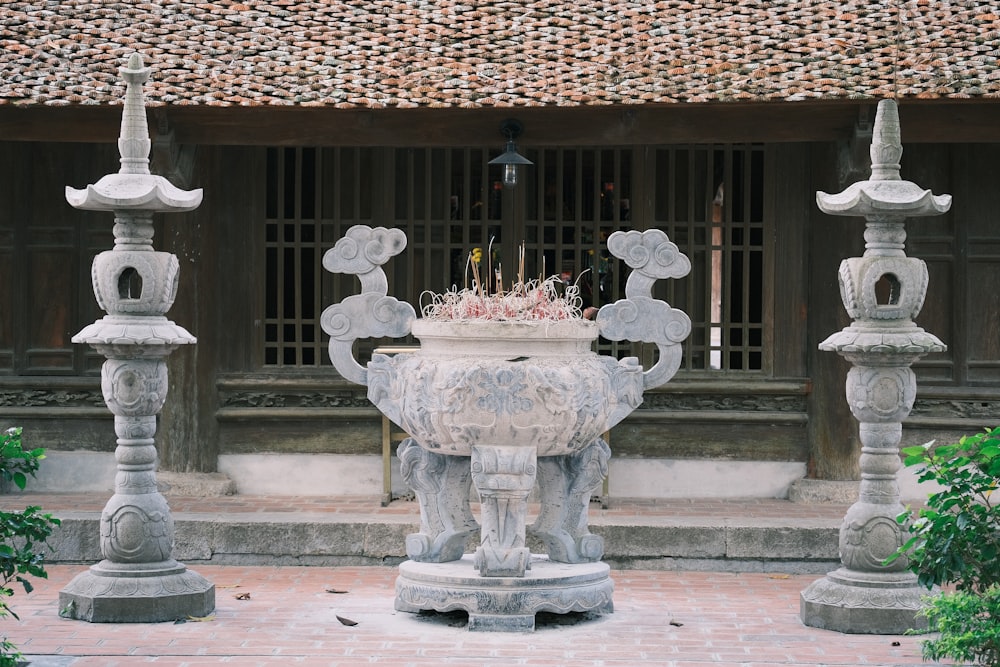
918 450
947 451
20 479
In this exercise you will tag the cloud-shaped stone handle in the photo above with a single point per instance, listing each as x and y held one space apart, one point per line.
640 317
371 314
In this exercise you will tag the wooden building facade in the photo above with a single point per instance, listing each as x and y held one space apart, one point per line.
762 293
730 173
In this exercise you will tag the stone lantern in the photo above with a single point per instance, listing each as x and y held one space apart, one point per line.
137 581
883 292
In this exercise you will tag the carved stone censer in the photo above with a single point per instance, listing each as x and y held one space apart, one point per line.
501 405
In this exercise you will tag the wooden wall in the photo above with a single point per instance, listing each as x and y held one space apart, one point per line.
222 401
304 410
959 390
47 385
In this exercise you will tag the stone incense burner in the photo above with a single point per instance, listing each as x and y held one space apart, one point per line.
502 405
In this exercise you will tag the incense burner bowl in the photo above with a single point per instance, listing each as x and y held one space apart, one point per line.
519 384
502 405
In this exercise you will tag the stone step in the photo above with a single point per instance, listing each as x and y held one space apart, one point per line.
754 535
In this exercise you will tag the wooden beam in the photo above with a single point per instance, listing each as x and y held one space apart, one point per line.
950 122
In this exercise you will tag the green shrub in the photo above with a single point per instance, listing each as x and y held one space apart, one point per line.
955 540
16 463
21 533
969 627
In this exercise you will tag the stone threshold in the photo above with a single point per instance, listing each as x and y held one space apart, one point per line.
750 535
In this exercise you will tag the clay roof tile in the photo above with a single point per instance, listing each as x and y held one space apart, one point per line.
468 54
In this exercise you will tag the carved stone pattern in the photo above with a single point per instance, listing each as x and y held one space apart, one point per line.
880 394
134 534
371 314
134 387
640 317
135 482
504 477
864 545
158 271
256 399
689 402
516 601
913 279
447 405
565 484
134 428
135 587
826 592
962 408
441 484
848 292
31 398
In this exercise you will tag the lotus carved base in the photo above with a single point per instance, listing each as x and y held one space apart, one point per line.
864 603
504 604
139 593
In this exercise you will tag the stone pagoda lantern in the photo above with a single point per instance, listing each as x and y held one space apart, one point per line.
883 292
137 581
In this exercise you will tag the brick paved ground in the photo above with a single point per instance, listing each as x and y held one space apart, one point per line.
676 619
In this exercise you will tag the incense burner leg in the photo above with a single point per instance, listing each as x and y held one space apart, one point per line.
565 486
441 484
504 476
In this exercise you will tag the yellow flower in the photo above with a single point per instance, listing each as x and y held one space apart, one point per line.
476 255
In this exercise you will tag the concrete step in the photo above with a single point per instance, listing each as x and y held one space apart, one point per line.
753 535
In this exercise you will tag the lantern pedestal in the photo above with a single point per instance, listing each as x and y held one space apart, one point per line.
880 603
137 593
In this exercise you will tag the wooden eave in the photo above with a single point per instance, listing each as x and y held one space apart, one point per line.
922 121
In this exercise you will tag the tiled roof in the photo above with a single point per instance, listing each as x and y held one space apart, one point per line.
499 53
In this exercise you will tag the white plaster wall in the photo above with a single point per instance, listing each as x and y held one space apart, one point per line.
305 474
912 490
693 478
686 478
331 474
324 474
74 472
